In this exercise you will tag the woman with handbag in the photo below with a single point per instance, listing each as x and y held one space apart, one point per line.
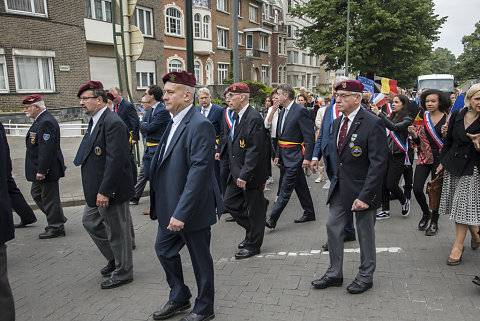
427 139
397 124
460 160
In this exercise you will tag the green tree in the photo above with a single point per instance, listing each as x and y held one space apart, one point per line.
442 61
388 38
468 63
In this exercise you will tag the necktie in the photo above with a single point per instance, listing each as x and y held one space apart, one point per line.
283 120
83 145
343 134
204 112
116 108
235 122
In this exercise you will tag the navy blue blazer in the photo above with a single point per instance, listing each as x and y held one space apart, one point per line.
182 183
128 113
106 164
155 122
7 231
298 128
361 168
325 144
215 117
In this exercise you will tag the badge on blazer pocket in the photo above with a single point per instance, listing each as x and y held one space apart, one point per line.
356 151
98 151
242 143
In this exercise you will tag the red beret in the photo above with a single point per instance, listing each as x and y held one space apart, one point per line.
30 99
239 87
110 96
90 86
180 77
350 85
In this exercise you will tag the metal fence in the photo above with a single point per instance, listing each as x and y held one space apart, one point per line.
66 129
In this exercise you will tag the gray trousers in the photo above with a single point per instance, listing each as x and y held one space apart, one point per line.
109 228
46 195
365 222
141 183
7 307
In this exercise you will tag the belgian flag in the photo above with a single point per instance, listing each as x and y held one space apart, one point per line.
385 85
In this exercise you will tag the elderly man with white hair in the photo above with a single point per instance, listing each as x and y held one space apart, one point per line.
44 164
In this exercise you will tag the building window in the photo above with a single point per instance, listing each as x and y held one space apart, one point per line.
279 45
32 7
263 42
303 80
197 69
173 21
253 13
265 75
280 74
222 5
143 19
295 80
222 38
196 25
289 57
34 74
3 74
249 41
314 81
239 9
222 73
295 57
303 58
240 38
209 72
202 3
98 10
289 78
145 73
175 65
206 27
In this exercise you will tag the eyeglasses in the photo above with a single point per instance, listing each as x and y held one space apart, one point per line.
343 96
86 98
232 94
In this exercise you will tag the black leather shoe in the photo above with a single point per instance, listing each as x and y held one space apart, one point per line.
134 201
476 280
432 229
23 224
246 253
108 269
305 218
197 317
325 246
357 287
169 309
52 233
271 223
230 219
422 225
110 284
326 282
241 245
349 238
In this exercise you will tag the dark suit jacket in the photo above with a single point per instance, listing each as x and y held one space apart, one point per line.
215 117
7 231
128 113
361 176
248 157
43 154
458 154
325 145
298 128
155 122
106 165
183 184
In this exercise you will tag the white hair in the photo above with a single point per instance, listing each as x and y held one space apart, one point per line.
40 104
204 90
340 79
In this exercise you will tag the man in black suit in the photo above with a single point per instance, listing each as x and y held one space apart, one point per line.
104 154
44 164
296 140
184 197
127 112
20 205
248 163
361 159
7 232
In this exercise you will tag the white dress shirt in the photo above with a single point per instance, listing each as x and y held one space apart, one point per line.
206 111
96 117
351 117
176 121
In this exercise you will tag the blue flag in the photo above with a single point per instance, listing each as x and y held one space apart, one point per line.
459 103
367 83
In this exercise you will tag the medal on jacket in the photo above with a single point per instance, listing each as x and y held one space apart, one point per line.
354 136
242 143
32 137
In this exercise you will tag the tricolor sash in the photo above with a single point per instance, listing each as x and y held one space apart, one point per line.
335 112
389 109
284 144
401 145
431 130
230 121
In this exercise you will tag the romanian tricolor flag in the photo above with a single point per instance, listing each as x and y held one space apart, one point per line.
419 120
385 85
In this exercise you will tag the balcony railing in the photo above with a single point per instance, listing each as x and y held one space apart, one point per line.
202 3
254 53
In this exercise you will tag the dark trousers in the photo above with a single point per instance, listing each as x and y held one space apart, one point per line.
47 197
249 208
224 172
274 147
167 246
396 166
7 307
19 204
141 182
421 175
408 176
293 179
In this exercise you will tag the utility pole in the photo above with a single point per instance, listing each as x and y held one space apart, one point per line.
189 35
348 36
235 40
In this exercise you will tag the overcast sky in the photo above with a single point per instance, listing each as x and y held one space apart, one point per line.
462 16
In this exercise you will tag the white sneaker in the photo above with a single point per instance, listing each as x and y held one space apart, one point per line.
383 215
406 208
269 180
327 185
318 180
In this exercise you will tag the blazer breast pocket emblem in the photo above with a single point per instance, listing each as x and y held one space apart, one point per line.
356 151
242 143
98 151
